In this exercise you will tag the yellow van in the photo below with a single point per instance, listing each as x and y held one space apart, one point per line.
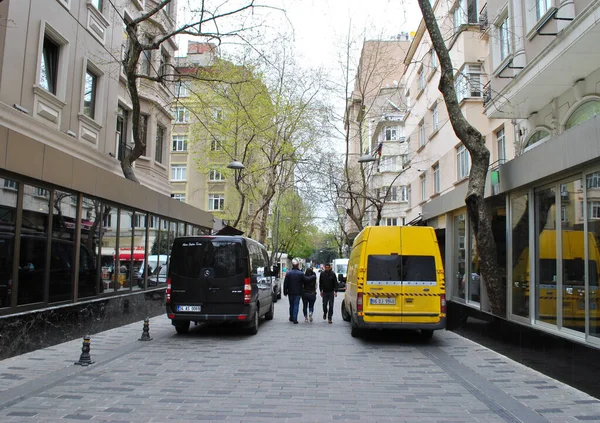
573 263
395 281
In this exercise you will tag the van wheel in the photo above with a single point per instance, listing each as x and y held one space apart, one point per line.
253 328
355 331
182 327
345 314
426 334
271 312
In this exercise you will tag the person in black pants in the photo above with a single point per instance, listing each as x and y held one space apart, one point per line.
328 285
292 288
309 295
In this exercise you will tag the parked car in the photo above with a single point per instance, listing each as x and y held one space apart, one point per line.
217 279
340 268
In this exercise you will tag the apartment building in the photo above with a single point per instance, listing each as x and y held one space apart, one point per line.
545 75
70 220
374 120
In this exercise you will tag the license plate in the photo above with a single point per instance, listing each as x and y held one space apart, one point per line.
196 308
383 301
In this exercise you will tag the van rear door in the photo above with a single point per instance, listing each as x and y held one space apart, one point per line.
208 272
420 288
383 302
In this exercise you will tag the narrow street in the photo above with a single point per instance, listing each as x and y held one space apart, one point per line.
300 373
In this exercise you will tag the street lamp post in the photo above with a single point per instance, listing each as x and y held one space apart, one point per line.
237 167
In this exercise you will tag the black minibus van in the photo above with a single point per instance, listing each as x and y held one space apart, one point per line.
217 279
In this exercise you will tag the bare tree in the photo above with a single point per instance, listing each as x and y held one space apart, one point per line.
145 34
480 157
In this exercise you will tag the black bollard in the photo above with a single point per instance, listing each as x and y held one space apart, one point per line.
146 331
84 358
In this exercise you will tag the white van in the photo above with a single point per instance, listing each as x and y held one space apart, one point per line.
340 268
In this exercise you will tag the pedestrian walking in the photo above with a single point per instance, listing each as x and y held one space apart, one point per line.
328 286
309 295
292 288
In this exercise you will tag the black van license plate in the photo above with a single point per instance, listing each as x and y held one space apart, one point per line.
195 308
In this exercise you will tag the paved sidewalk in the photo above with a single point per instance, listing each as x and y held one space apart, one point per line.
303 373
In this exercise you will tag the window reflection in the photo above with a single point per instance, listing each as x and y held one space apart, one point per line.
593 222
139 246
8 220
461 254
546 266
520 255
474 274
62 250
127 259
90 249
107 250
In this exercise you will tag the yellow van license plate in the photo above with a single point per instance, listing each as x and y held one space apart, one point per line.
384 301
189 308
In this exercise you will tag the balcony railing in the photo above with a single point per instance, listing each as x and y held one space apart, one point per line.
487 93
483 17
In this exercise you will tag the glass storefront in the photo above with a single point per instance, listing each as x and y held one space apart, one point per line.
593 255
546 270
461 254
74 247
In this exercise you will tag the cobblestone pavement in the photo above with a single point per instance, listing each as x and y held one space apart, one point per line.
296 373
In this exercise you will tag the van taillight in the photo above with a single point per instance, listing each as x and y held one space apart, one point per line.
359 302
443 303
247 291
168 290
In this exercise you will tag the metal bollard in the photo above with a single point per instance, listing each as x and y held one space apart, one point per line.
84 358
146 331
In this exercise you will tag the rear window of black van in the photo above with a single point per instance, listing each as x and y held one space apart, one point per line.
401 268
189 257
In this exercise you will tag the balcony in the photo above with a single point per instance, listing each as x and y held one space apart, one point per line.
487 93
551 73
483 18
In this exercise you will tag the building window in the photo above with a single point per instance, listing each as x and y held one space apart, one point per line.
407 99
178 172
42 192
140 220
501 142
435 117
459 17
49 65
462 162
436 178
122 129
424 187
593 180
468 83
178 197
403 194
145 62
504 32
433 60
216 202
421 80
392 194
392 133
97 4
584 112
179 142
124 47
163 66
390 221
154 221
405 161
537 137
89 94
182 89
181 115
409 196
215 175
388 164
215 145
593 209
422 134
541 7
10 184
144 120
160 137
107 220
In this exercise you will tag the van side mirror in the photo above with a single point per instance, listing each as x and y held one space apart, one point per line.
275 271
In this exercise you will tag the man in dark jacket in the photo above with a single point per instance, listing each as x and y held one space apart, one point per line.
328 285
292 288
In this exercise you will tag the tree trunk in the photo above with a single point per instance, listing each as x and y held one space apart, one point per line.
480 157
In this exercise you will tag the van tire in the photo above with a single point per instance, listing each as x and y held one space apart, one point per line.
345 314
426 334
182 327
253 328
271 313
355 331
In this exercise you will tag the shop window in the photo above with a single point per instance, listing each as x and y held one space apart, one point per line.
593 237
8 220
90 249
460 255
126 259
63 245
520 255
